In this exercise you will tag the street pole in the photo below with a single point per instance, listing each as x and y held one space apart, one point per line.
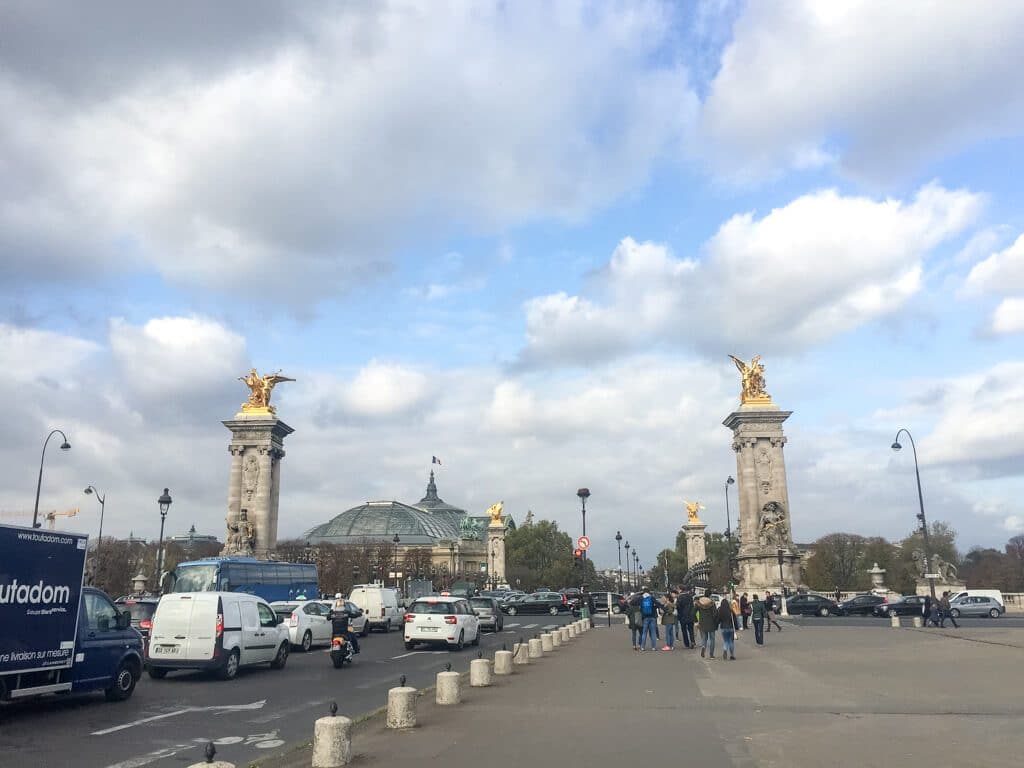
629 573
65 446
102 500
618 543
920 500
165 503
584 494
782 582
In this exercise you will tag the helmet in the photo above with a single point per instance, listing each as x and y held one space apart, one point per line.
337 595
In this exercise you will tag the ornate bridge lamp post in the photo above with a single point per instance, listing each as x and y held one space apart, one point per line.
164 503
618 543
629 570
920 500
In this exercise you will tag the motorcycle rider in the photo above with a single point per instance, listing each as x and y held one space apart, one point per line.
339 622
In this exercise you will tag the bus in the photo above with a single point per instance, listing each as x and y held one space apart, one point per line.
270 580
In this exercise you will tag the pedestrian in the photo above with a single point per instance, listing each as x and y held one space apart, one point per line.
734 604
757 614
935 613
649 614
635 619
926 611
684 610
946 611
727 621
770 603
745 609
668 621
838 595
708 621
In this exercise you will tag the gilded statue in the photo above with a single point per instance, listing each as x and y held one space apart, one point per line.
260 388
692 510
495 511
753 380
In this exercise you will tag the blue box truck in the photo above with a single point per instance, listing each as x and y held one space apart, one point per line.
56 635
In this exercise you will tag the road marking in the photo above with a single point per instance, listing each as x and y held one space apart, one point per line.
550 626
143 721
515 624
415 653
531 626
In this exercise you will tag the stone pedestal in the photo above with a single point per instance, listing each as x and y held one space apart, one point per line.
496 545
764 516
255 484
923 587
696 551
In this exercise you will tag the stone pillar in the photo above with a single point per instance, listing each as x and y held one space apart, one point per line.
765 522
255 483
696 552
496 544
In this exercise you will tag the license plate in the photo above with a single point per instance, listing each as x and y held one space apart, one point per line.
428 629
167 650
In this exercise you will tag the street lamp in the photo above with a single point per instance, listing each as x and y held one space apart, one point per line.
920 500
494 575
307 552
65 446
165 503
728 522
782 557
451 555
636 567
102 500
618 543
629 570
397 540
584 494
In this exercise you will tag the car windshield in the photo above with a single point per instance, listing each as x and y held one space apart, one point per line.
195 578
140 611
478 602
424 606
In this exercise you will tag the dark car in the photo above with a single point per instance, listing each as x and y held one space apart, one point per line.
860 605
488 610
908 605
141 609
811 605
601 601
539 602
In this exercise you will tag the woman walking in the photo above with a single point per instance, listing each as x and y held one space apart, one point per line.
726 618
668 621
708 621
745 610
735 605
769 602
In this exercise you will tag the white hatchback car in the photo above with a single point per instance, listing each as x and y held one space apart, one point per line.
308 622
441 619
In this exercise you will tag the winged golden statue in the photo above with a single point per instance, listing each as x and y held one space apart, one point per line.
495 511
753 380
692 508
260 388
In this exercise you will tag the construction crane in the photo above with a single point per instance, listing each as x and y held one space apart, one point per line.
50 517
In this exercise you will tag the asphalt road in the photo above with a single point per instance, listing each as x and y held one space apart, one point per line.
168 722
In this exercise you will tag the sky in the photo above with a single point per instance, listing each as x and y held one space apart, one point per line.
523 238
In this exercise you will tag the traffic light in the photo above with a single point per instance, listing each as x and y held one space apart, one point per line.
782 559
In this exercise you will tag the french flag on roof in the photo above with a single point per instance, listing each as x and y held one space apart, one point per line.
435 460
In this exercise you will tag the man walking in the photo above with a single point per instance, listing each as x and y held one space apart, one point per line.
745 609
708 623
757 614
945 612
649 613
684 609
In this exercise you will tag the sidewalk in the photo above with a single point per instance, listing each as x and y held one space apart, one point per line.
810 697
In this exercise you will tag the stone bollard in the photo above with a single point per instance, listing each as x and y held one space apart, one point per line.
536 649
449 688
556 638
585 625
402 707
479 673
546 644
573 630
520 653
564 632
332 742
503 663
895 621
918 621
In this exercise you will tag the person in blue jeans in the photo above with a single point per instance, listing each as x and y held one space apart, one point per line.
649 612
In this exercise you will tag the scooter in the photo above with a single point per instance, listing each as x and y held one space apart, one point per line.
341 651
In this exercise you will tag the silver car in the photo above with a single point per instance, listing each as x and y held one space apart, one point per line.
975 606
487 610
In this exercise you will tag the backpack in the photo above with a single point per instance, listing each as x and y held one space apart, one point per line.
647 606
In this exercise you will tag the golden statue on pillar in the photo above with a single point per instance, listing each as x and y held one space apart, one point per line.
495 511
260 388
692 510
753 381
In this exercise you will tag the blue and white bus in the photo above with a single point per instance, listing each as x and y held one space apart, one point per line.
269 580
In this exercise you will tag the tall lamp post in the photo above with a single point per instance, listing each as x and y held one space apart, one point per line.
102 500
728 521
920 500
636 568
629 570
494 575
782 557
397 541
618 543
451 554
584 494
165 503
65 446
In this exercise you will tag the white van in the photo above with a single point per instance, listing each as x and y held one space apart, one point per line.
379 605
216 631
995 594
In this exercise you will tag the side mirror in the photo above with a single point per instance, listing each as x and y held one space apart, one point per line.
124 620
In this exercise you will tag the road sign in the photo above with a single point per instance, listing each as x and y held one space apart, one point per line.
932 575
583 542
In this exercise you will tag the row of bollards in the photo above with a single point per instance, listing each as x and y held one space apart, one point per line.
332 736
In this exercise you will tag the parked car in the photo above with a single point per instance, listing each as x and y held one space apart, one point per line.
811 605
601 602
489 612
380 604
975 605
995 594
439 619
216 631
860 605
141 609
539 602
907 605
510 597
308 622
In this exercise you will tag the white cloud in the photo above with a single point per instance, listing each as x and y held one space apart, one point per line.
880 87
1008 317
800 275
292 164
28 354
1001 273
380 389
